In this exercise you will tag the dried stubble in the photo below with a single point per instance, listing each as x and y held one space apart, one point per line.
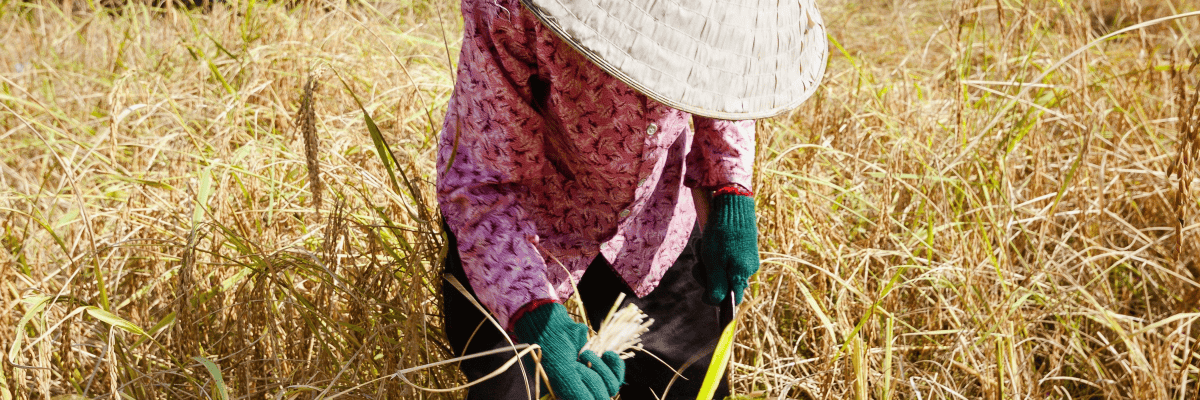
935 223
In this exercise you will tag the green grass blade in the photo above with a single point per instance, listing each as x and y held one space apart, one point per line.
720 360
215 372
381 147
115 321
36 304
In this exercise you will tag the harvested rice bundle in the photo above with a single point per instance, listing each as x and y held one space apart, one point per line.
621 332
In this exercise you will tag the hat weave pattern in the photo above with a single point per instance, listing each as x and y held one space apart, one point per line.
715 58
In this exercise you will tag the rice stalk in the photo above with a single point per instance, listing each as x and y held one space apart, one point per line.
306 122
621 330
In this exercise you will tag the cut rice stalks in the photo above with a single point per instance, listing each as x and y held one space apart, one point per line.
621 332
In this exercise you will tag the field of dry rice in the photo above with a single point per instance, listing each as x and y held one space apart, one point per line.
985 200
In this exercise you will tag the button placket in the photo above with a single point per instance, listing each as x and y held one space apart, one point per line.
651 130
646 169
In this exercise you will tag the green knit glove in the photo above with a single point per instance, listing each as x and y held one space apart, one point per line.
729 248
573 375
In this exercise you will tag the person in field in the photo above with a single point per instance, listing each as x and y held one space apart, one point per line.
607 146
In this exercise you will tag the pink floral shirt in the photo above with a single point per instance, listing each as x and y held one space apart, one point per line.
545 161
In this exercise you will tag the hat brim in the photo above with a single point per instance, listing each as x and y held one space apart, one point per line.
711 58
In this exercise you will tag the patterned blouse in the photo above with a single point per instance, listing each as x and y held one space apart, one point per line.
546 161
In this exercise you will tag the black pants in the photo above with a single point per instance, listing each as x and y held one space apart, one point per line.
684 328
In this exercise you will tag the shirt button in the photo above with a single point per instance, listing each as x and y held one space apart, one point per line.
652 129
624 213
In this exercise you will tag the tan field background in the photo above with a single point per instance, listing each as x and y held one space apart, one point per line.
985 200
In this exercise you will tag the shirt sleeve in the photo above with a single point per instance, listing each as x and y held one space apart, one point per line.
488 149
722 153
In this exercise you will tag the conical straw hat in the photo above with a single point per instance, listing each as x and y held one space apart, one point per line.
716 58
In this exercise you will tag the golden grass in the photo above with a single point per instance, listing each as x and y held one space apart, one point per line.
962 211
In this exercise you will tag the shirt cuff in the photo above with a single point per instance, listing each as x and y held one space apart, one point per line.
733 189
516 315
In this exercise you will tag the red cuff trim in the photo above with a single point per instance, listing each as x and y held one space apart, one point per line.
734 189
524 309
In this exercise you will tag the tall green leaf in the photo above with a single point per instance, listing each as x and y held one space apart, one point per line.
115 321
35 305
218 379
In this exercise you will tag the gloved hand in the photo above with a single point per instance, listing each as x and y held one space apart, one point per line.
729 248
573 375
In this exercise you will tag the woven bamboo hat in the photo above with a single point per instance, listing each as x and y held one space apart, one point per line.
717 58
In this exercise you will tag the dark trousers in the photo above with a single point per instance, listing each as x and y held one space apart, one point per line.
684 328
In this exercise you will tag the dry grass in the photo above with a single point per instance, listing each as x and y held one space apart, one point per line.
956 214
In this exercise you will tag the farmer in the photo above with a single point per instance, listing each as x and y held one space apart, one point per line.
566 162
